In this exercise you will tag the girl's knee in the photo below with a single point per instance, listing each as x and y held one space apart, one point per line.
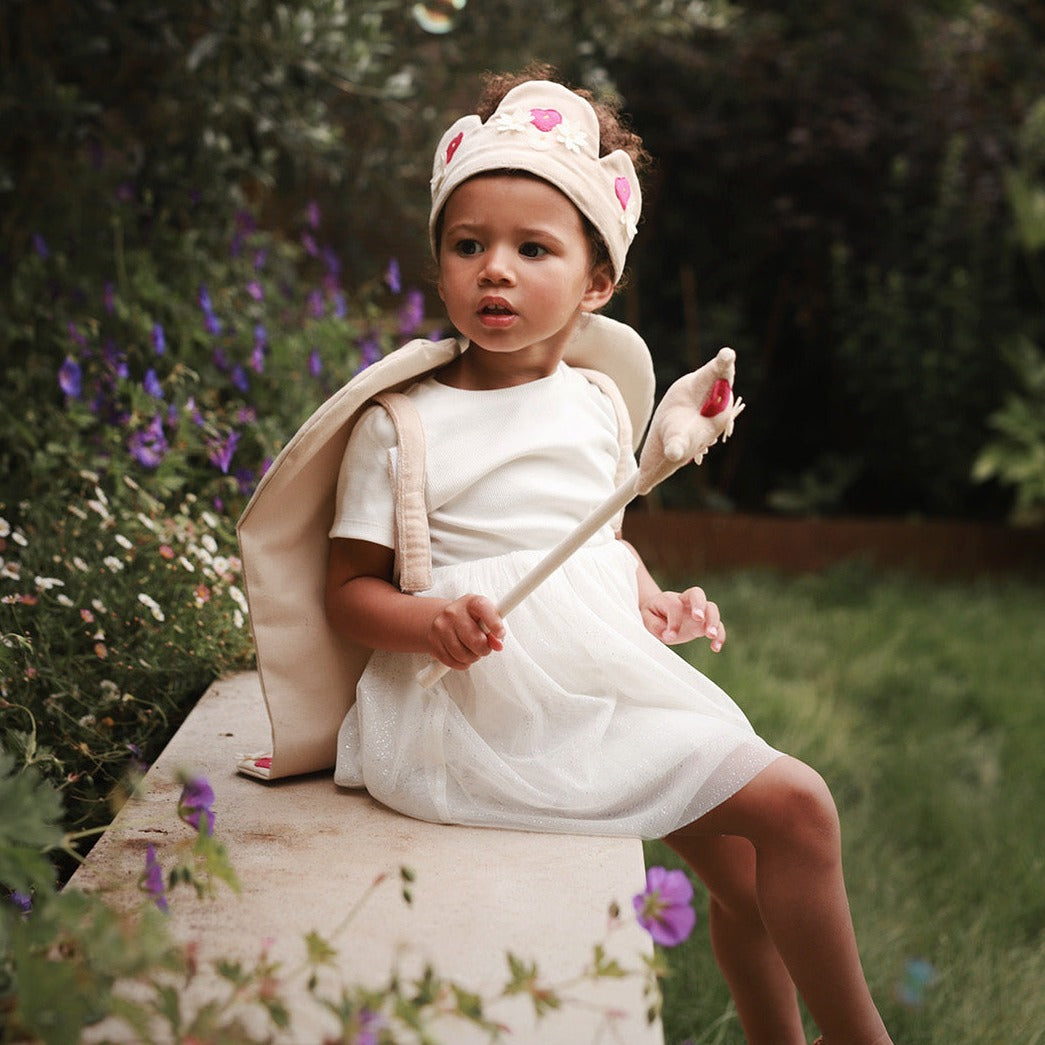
796 801
788 803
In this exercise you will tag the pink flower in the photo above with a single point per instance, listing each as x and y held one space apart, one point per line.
665 909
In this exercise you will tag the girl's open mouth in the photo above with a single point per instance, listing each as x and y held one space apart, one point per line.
495 314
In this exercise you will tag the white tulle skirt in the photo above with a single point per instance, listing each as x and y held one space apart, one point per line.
584 723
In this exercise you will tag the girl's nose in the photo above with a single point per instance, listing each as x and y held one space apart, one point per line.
497 265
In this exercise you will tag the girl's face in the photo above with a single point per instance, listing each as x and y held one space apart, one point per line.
515 269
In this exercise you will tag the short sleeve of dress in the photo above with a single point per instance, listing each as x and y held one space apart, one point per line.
365 506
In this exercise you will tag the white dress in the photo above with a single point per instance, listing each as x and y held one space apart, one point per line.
585 722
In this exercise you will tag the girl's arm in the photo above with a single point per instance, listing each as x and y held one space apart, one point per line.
364 605
676 617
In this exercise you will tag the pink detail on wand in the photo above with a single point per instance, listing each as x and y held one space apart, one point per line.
452 147
718 398
623 190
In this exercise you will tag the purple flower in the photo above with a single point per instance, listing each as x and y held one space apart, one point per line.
194 412
210 320
77 336
392 277
332 262
309 243
340 305
40 245
70 378
115 360
369 350
194 805
313 214
159 339
260 257
151 384
255 290
149 445
411 312
315 363
239 378
152 879
23 901
315 304
665 909
220 451
370 1025
261 337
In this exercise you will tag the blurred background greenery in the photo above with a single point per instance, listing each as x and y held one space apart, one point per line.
852 195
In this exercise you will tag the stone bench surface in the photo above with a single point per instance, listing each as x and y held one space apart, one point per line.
306 850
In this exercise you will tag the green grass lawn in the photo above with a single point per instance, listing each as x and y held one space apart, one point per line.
923 705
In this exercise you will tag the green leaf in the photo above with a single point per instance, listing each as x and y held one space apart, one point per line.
320 951
29 827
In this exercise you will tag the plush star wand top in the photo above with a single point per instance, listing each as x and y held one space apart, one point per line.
696 412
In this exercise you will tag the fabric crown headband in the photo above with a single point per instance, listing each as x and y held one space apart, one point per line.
543 128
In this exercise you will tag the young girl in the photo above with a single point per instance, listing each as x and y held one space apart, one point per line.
572 715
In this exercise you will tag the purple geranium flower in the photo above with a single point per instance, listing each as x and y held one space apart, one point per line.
77 336
239 378
313 214
255 290
70 378
194 805
369 350
149 445
159 339
665 909
315 363
220 451
332 262
40 245
151 384
411 312
152 879
315 304
23 901
392 277
210 320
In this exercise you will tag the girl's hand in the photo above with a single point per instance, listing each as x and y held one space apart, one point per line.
676 617
465 630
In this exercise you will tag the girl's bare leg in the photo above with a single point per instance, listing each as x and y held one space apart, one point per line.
788 815
758 979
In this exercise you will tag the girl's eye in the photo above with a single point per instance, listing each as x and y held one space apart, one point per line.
468 247
532 250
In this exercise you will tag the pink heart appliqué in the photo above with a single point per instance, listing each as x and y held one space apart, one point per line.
452 147
546 119
623 190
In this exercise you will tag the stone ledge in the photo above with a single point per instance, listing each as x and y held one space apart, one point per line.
306 850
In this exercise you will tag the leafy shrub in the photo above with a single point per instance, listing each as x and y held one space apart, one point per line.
155 397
